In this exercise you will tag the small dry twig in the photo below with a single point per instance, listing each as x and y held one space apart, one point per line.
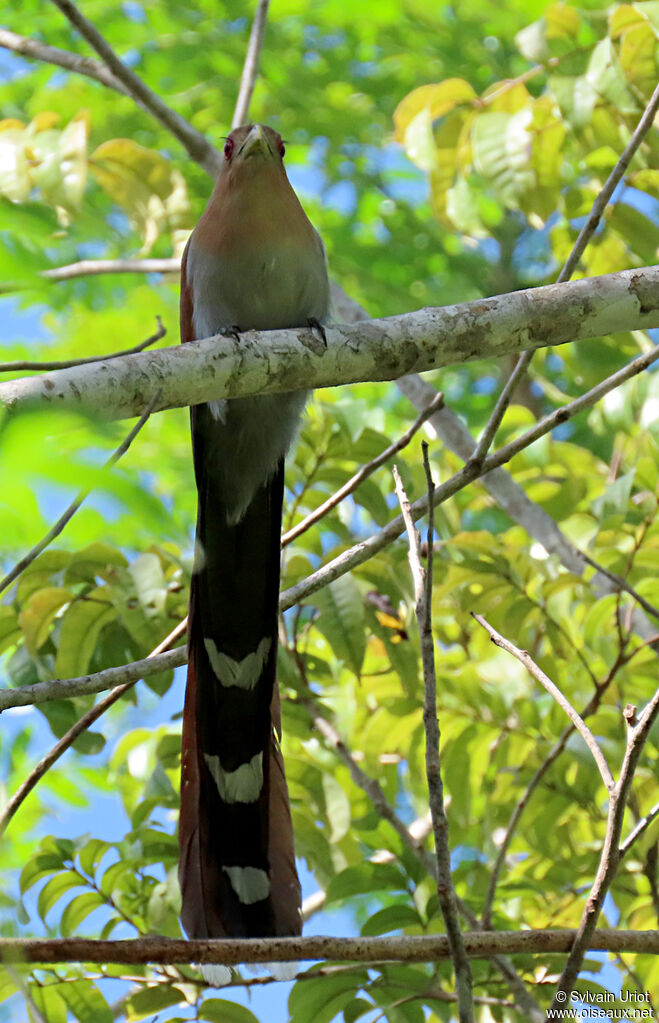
584 731
22 365
66 516
67 740
423 598
251 65
363 473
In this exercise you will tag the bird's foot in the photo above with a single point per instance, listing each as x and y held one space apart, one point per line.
233 332
314 323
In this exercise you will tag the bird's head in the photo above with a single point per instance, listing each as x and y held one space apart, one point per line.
251 148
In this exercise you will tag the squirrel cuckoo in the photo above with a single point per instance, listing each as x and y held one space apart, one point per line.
254 261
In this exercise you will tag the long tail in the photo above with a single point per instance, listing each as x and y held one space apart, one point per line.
237 864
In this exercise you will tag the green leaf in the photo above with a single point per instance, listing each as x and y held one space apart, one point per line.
54 889
611 507
148 576
365 878
337 806
322 998
78 910
220 1010
49 1002
38 614
342 620
151 1000
81 625
86 1002
92 853
391 918
38 867
9 628
501 144
355 1009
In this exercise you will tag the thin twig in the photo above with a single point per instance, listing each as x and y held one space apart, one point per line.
538 775
66 689
24 988
77 729
368 785
21 366
639 830
66 517
36 50
365 549
251 65
610 855
197 146
95 267
584 731
494 422
423 599
621 584
565 412
584 236
363 473
609 187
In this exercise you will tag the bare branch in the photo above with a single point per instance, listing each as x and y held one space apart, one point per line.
622 585
95 267
251 65
20 984
610 855
36 50
66 517
67 740
494 422
423 600
363 473
511 497
418 830
570 265
560 698
369 785
23 366
64 689
232 951
609 187
365 549
639 830
197 146
277 360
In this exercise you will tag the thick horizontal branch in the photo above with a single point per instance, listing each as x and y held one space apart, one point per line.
478 944
285 360
361 551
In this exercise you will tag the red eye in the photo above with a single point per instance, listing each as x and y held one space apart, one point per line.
228 149
282 148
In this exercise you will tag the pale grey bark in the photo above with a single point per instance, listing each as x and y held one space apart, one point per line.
284 360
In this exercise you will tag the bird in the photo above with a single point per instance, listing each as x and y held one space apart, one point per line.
253 262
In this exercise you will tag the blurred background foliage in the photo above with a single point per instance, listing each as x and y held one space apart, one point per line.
445 154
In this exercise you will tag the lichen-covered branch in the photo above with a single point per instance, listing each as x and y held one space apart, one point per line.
283 360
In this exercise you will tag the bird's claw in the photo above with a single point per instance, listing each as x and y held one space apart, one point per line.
313 322
233 332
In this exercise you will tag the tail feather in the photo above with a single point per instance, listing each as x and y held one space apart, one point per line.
237 865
